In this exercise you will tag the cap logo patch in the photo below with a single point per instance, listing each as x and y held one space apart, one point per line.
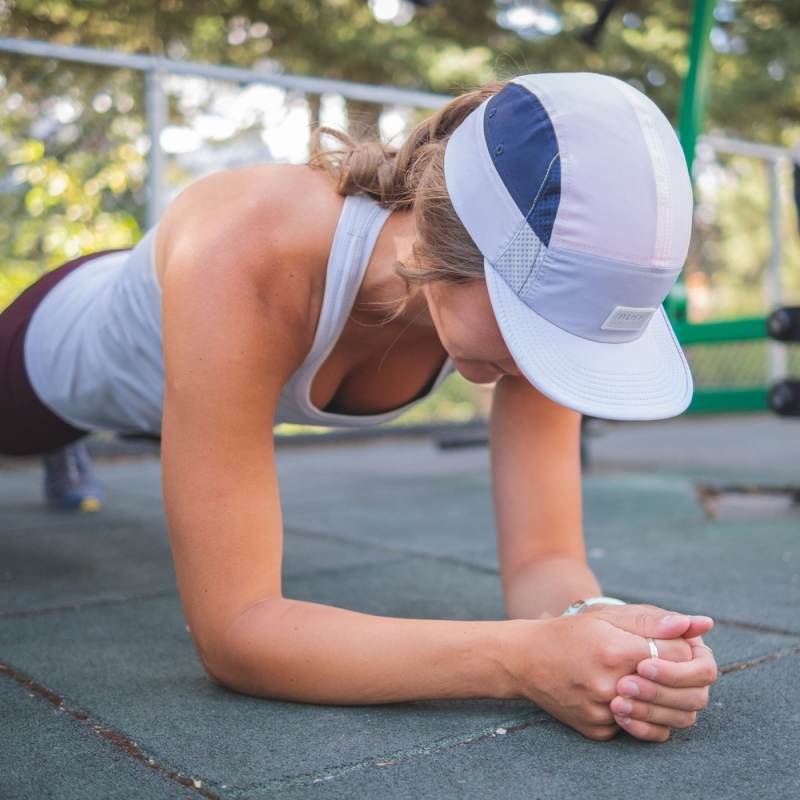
627 318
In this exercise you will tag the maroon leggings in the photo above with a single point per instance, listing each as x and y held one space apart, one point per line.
27 426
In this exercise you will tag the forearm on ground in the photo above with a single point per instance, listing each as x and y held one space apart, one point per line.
298 651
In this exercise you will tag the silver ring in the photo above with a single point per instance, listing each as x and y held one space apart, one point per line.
706 647
653 648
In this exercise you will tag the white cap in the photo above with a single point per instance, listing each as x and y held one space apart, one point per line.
575 189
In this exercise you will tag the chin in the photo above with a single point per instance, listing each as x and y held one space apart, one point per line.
476 374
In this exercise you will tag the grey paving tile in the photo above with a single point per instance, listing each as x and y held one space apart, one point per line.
628 501
104 557
352 515
762 445
383 459
647 536
733 645
51 559
745 570
745 745
441 515
133 488
46 753
408 587
405 495
133 668
308 552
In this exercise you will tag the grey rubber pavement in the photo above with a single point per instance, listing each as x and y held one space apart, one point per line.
102 694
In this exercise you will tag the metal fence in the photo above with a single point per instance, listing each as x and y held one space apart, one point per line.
745 260
94 144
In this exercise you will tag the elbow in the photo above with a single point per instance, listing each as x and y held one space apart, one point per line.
240 656
217 659
214 667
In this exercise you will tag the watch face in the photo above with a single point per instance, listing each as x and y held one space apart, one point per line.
574 608
577 606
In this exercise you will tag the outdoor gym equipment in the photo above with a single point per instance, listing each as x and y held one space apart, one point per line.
745 330
784 323
784 398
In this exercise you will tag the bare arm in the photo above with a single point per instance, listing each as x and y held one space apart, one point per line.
235 328
232 338
536 479
537 490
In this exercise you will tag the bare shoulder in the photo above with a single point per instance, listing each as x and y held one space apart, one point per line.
260 218
244 253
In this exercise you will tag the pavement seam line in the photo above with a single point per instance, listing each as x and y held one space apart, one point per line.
732 623
748 626
139 598
121 742
488 732
385 548
113 737
758 661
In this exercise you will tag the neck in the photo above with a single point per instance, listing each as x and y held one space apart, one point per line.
382 291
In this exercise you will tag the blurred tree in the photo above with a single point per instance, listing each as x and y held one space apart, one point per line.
453 44
71 174
58 200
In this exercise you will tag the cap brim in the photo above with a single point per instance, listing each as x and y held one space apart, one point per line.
644 379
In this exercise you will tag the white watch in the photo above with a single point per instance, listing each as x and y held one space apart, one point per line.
578 606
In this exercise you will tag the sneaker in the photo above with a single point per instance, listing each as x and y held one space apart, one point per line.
69 480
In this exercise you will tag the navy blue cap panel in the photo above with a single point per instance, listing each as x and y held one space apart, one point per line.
523 146
543 214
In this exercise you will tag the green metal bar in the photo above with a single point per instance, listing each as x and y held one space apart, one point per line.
692 112
729 400
695 89
726 330
725 399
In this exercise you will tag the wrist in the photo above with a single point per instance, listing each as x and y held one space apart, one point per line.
482 661
578 606
520 654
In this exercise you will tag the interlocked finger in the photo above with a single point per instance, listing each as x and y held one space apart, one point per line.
624 707
635 687
700 671
645 731
678 650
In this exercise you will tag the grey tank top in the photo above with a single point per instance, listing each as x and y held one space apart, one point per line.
93 350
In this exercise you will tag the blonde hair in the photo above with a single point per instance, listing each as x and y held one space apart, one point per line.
412 177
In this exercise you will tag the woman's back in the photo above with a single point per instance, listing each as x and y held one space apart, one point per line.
94 347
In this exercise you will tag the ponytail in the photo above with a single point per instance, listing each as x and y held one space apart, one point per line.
411 176
387 173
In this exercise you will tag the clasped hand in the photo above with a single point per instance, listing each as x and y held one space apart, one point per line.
603 678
